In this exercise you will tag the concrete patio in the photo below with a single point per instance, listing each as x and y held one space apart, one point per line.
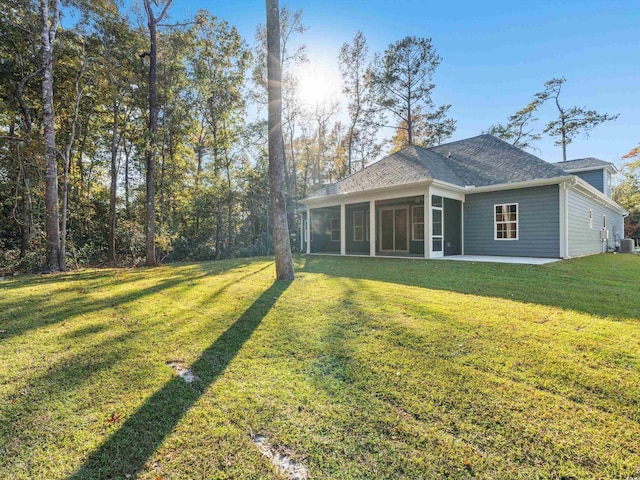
496 259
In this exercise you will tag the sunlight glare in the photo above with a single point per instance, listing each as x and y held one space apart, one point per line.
317 83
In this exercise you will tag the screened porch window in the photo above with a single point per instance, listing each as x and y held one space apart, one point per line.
358 226
506 221
335 229
417 230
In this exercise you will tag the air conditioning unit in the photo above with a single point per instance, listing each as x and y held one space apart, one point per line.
604 234
626 245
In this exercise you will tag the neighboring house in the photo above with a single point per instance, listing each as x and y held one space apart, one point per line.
479 196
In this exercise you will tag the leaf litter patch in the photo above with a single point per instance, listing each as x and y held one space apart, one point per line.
186 373
280 457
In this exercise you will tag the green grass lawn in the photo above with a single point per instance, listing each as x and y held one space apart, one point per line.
362 368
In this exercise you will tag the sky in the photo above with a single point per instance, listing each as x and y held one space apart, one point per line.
495 55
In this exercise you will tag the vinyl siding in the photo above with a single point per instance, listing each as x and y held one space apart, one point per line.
594 178
583 239
538 223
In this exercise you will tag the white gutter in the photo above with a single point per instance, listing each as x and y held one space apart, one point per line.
451 186
598 196
611 167
517 185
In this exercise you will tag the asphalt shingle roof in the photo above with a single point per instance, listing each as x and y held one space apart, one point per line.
579 163
479 161
486 160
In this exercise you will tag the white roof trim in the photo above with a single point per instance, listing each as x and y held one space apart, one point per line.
611 167
336 196
597 195
450 186
516 185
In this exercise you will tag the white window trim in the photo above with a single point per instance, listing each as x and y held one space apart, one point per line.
361 226
495 222
414 223
336 219
590 218
367 228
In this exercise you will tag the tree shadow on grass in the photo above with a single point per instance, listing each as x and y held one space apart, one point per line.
43 310
128 449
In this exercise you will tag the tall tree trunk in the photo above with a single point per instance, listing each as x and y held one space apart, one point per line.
216 173
150 156
127 152
65 206
114 183
162 178
67 166
25 168
49 24
282 246
79 164
306 166
150 218
25 234
409 120
564 139
229 206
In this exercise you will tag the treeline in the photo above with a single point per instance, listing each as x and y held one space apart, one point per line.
130 136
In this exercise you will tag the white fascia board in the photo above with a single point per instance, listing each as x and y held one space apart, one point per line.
611 167
518 185
597 195
385 193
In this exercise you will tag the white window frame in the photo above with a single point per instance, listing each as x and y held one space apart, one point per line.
496 222
333 230
366 225
356 226
414 238
590 218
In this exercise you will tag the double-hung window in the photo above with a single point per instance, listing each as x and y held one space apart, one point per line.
358 226
417 214
506 221
361 226
335 229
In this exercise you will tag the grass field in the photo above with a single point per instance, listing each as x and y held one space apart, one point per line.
361 368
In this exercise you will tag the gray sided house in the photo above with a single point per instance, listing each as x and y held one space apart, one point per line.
479 196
